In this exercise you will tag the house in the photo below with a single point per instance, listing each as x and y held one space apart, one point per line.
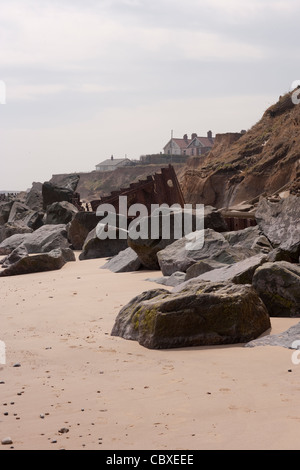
195 146
113 163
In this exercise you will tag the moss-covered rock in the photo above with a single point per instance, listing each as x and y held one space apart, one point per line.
201 314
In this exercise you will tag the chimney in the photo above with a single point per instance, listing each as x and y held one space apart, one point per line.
209 134
185 137
112 157
194 135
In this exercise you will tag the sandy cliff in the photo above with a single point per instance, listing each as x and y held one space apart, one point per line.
241 167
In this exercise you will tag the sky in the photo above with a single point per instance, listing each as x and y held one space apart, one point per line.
88 79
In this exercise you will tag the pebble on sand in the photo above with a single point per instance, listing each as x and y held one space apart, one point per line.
7 441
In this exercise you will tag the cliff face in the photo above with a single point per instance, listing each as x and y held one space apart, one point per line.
239 168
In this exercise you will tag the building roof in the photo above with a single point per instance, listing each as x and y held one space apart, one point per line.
205 141
185 143
113 162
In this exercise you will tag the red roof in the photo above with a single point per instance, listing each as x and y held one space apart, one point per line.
205 141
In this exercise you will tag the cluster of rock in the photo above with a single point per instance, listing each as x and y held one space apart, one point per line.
226 284
34 229
224 290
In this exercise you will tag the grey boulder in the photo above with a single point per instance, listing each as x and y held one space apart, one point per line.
201 315
96 247
280 221
43 240
60 213
29 264
278 285
125 261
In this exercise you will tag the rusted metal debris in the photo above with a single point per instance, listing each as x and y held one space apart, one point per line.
238 220
160 188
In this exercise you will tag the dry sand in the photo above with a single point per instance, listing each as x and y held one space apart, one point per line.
113 394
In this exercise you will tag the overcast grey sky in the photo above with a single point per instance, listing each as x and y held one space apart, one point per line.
91 78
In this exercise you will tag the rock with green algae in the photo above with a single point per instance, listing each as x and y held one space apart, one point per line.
201 314
278 285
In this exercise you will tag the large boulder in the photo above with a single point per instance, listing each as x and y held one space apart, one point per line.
51 261
166 225
239 273
200 315
82 224
202 267
96 247
278 285
60 213
8 245
126 261
250 238
34 198
43 240
18 253
8 230
280 221
65 191
183 253
5 208
21 214
288 339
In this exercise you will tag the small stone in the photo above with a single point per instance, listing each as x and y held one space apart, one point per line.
17 365
63 431
7 441
2 383
42 416
54 442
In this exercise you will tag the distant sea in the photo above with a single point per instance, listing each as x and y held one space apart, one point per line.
9 192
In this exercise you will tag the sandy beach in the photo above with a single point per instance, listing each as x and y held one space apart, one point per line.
107 393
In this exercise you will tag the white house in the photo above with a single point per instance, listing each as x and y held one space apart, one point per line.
112 164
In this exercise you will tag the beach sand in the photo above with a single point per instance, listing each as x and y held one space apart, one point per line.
113 394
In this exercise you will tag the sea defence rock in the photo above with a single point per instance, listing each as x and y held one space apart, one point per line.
202 267
82 224
19 253
34 199
250 238
239 273
280 221
60 213
11 243
8 230
20 214
5 208
278 285
288 339
65 192
126 261
203 314
43 240
148 247
95 247
171 281
198 246
51 261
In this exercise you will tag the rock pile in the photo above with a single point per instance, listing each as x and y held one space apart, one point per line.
226 288
37 224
